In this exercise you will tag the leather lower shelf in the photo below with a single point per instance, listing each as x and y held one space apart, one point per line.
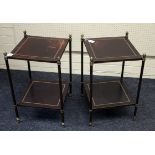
44 94
109 94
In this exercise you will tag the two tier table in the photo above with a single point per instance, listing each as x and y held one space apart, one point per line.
43 94
109 94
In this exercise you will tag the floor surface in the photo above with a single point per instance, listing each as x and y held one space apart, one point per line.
76 108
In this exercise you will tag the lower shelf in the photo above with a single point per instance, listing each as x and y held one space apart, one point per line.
44 94
109 94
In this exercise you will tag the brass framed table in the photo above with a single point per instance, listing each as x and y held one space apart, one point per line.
109 94
43 94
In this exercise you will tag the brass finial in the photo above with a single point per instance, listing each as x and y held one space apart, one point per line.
70 36
126 35
5 55
25 35
82 36
144 56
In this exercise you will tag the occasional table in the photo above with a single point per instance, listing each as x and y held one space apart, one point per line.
43 94
109 94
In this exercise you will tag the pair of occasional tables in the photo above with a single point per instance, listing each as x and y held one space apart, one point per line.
52 94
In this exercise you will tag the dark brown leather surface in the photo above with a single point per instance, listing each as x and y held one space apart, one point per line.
40 48
111 49
44 94
109 94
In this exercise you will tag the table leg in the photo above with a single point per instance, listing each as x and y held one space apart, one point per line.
91 92
11 87
139 85
62 117
29 69
60 91
90 117
70 63
122 73
82 40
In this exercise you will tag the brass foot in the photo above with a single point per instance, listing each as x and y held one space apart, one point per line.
63 124
18 120
90 123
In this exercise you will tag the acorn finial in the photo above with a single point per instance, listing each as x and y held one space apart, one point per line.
126 35
82 36
25 35
5 55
